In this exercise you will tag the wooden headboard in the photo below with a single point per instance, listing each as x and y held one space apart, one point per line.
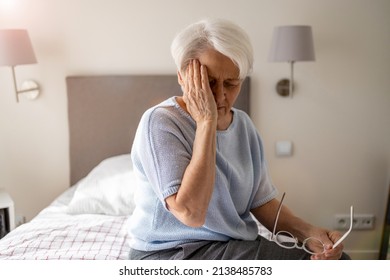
104 112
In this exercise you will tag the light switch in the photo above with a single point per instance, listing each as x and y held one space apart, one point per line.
283 148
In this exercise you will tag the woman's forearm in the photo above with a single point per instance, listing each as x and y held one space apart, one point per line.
266 214
191 202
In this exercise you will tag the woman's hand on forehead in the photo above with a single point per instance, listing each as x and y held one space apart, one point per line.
197 93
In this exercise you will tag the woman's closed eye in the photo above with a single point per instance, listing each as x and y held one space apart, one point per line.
226 84
212 82
230 84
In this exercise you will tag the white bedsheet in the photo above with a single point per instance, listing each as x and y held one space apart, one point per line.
54 234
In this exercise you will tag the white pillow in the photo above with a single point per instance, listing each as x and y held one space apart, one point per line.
107 189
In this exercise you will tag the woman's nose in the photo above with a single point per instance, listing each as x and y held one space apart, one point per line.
218 92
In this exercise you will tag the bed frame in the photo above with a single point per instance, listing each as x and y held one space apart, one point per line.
104 112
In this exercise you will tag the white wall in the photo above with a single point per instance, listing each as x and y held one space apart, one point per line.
338 120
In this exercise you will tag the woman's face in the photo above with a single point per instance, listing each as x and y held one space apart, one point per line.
224 82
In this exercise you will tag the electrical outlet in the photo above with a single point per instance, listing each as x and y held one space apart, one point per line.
360 221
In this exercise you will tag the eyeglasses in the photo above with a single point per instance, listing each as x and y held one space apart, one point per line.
311 245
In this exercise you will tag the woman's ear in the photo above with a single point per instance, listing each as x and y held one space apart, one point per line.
180 79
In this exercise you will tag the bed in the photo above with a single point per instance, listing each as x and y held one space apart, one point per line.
88 221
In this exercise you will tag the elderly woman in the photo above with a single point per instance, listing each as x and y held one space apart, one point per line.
201 167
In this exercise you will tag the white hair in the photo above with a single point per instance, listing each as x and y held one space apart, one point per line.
221 35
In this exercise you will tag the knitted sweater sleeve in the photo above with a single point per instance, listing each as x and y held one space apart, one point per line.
162 150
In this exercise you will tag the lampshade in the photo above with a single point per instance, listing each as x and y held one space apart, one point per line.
292 43
15 48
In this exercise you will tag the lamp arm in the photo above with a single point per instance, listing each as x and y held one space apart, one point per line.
17 91
291 78
26 90
15 84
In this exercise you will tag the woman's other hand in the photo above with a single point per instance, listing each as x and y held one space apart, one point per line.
328 238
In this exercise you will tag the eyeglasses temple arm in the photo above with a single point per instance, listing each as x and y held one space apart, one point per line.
345 234
277 216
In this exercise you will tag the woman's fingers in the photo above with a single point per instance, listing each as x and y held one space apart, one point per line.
196 76
198 95
205 79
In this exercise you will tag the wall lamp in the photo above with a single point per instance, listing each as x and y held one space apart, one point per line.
290 44
16 49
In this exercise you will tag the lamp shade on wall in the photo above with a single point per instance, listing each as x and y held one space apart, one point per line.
16 48
292 43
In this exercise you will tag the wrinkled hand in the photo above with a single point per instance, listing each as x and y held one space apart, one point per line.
197 95
328 238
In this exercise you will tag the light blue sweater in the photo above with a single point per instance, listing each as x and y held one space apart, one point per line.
162 150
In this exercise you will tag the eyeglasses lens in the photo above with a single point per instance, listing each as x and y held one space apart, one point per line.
313 246
310 245
285 239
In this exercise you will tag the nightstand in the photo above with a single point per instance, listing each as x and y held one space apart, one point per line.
7 212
